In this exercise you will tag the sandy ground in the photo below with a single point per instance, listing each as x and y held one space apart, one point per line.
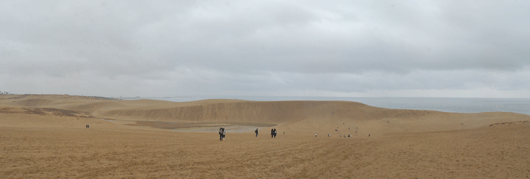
45 137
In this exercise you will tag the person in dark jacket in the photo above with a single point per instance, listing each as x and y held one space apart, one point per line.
221 133
272 133
256 131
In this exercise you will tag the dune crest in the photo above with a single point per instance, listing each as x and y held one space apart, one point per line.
341 117
44 136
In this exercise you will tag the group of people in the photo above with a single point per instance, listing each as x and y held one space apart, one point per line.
222 133
273 133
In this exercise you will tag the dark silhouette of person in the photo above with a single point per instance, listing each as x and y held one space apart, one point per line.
275 132
221 133
272 133
256 131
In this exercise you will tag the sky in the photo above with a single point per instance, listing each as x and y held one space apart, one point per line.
438 48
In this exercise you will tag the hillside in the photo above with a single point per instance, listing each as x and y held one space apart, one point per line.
45 136
302 116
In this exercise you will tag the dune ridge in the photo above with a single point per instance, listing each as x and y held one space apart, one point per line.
44 136
339 117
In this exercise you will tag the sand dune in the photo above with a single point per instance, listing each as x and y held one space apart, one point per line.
44 136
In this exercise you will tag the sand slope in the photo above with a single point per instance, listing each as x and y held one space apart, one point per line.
44 136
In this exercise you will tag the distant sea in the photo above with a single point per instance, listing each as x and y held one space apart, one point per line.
459 105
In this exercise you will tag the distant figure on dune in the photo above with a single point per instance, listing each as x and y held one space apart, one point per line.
272 133
329 135
87 126
221 133
275 132
368 135
256 131
315 135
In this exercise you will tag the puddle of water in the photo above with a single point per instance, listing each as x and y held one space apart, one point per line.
228 129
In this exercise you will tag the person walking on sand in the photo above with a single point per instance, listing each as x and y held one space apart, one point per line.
224 133
275 132
221 133
256 131
272 133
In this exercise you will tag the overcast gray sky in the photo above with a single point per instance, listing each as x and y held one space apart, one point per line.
268 48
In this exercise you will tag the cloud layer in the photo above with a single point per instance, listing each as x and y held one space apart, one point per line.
265 48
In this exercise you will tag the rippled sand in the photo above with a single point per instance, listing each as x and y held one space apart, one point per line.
46 137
